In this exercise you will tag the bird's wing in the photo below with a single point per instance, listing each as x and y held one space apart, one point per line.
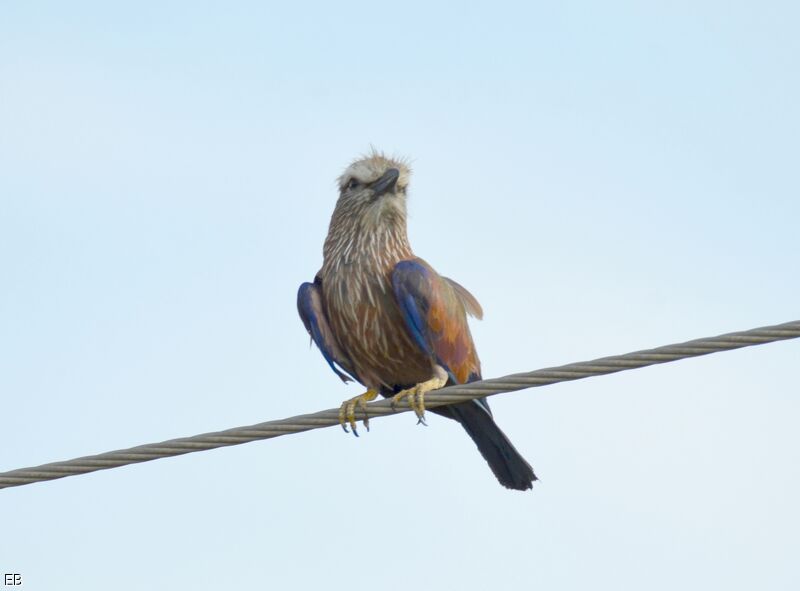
434 310
312 313
471 304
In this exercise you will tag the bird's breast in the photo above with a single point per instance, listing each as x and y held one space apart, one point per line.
370 327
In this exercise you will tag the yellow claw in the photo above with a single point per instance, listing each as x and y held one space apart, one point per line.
347 412
416 396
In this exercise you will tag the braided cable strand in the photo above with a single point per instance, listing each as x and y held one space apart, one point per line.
449 395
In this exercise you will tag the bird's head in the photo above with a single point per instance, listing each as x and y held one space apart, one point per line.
372 191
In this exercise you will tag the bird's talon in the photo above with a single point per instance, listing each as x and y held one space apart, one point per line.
351 417
418 404
347 411
416 396
415 399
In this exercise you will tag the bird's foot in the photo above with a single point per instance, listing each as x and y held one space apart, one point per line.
416 396
347 412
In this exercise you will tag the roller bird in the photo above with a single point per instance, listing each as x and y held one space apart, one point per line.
385 318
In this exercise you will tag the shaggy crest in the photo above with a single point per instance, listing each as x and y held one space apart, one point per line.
371 166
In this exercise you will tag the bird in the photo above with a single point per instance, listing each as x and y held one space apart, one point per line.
383 317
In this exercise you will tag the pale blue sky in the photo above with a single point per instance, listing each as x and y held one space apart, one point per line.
603 176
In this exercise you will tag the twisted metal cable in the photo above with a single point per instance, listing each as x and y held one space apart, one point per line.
449 395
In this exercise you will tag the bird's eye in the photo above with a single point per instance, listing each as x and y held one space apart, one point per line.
352 184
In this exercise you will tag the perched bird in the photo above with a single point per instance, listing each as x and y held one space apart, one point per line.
383 317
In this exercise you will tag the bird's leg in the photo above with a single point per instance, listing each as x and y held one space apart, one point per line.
347 412
416 394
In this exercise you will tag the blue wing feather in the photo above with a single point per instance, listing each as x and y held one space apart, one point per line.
312 313
411 314
412 284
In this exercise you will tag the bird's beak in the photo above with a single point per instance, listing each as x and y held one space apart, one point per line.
386 183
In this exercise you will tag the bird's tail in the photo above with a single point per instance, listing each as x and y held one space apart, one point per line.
508 465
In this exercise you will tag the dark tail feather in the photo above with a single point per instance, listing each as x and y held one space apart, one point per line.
508 465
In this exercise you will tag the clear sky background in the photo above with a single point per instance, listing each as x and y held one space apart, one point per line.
604 177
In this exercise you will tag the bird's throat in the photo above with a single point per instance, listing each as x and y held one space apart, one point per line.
373 248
